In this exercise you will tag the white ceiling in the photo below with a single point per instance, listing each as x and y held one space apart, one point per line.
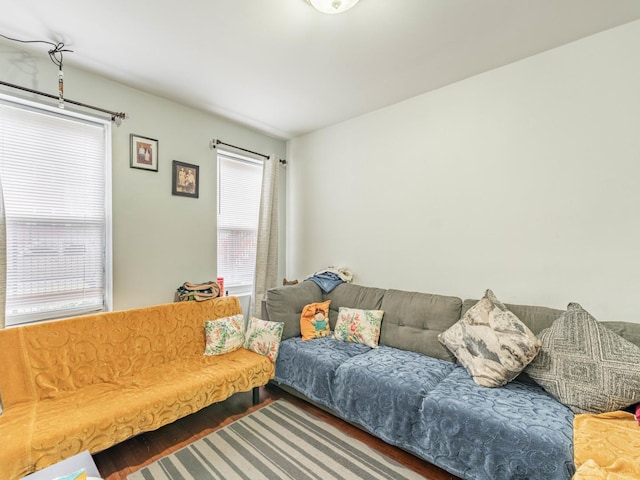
284 69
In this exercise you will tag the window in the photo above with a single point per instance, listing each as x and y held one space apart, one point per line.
239 184
55 169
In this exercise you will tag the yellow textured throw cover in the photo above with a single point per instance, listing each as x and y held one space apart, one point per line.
606 446
87 383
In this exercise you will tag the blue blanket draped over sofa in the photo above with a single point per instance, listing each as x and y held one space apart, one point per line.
433 409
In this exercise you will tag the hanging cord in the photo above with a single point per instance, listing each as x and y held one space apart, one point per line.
56 56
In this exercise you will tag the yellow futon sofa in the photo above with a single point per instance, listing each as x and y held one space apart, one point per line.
87 383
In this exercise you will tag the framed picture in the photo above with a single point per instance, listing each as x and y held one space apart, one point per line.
144 153
185 179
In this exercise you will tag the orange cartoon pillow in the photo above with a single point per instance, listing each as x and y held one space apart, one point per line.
314 321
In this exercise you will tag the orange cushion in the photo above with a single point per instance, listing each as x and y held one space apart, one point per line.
314 321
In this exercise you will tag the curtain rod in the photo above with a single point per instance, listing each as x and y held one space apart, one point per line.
116 117
215 142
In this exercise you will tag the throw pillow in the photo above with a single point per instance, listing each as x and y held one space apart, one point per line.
314 320
263 337
224 335
491 342
585 365
359 326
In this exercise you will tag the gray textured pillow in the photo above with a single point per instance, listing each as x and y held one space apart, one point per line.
585 365
491 342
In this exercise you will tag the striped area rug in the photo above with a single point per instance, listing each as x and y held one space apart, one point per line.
279 441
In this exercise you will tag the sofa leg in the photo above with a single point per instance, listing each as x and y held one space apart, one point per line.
256 395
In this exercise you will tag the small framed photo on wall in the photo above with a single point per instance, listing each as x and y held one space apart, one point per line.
185 179
144 153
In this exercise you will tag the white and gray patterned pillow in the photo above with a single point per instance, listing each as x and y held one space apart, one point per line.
585 365
491 342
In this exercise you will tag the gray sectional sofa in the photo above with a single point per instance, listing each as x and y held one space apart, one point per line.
411 393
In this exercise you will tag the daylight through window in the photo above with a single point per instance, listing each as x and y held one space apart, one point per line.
55 172
239 184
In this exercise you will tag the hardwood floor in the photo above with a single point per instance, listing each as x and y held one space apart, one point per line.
127 457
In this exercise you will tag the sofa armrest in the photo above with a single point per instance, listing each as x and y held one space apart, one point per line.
285 304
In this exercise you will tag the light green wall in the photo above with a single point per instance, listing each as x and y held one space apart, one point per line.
159 240
524 179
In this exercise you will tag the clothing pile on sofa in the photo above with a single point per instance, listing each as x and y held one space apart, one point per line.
330 277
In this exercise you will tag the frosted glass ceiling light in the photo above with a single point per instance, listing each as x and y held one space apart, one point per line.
332 6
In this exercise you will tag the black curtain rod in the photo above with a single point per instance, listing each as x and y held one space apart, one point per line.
116 117
215 142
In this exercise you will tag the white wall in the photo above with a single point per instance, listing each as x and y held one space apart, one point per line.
159 240
525 180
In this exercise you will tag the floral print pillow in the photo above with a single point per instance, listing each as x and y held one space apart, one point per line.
263 337
359 326
224 335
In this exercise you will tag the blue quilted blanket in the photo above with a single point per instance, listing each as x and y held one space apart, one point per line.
434 409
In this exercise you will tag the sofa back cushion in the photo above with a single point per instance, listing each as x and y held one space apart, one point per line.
352 296
627 330
413 321
539 318
285 304
534 317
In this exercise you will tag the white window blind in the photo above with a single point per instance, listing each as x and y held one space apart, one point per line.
239 185
55 173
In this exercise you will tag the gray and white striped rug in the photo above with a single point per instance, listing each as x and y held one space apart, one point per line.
279 441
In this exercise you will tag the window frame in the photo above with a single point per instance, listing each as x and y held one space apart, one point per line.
241 289
56 112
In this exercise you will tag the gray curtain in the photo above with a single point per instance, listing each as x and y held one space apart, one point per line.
266 275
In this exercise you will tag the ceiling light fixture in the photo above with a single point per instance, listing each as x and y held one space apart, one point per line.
332 6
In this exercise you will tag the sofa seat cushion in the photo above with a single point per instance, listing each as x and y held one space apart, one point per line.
202 380
97 416
516 431
382 390
310 366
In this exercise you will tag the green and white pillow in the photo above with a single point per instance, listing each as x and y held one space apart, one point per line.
586 366
224 335
264 337
491 342
359 326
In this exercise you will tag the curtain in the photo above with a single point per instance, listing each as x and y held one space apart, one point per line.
3 262
266 275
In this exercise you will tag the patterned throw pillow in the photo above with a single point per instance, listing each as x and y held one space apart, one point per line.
491 342
585 365
263 337
224 335
359 326
314 321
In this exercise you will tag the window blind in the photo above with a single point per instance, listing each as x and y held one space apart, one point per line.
54 171
239 185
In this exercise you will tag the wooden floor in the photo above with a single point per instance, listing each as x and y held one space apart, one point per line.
129 456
